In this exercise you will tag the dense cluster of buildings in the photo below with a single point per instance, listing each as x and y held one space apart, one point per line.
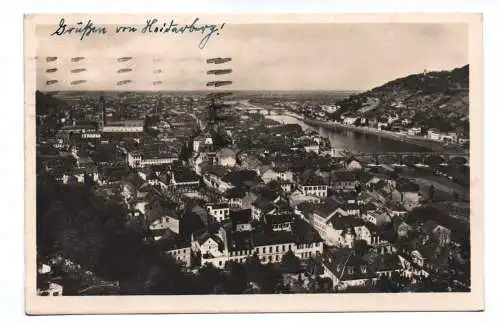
281 191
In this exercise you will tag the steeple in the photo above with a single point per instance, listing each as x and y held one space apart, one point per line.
102 108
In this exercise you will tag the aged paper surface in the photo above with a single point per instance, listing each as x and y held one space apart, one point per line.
257 60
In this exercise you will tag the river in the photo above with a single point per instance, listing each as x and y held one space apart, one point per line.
351 140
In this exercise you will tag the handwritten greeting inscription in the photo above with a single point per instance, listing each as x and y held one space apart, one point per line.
152 26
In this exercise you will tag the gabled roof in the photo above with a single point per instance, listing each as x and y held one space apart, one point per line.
344 176
306 208
352 159
346 265
386 262
407 186
239 177
160 208
241 216
372 227
282 204
216 170
346 196
370 206
365 196
197 209
252 162
305 233
364 177
429 226
265 193
346 222
237 241
261 238
165 233
310 178
184 174
236 192
280 218
205 236
134 180
280 168
172 242
114 173
326 209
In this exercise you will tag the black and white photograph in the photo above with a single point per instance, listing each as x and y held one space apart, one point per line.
211 156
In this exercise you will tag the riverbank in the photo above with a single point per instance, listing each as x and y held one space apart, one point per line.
414 140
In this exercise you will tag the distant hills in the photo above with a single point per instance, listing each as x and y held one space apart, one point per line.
430 82
437 99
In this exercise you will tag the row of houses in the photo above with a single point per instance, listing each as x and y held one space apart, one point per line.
225 245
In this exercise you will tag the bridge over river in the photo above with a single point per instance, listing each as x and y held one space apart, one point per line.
414 157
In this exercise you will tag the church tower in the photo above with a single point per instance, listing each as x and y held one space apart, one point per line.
102 109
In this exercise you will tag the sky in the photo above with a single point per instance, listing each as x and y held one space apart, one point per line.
276 56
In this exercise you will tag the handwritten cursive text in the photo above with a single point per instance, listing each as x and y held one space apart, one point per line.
84 30
206 30
152 26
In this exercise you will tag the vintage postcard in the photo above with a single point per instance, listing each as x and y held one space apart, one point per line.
253 163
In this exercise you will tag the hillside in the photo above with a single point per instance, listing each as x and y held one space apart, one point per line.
438 99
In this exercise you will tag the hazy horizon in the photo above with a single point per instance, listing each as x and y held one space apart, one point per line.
353 91
265 57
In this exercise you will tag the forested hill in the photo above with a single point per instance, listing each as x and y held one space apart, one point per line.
438 99
429 83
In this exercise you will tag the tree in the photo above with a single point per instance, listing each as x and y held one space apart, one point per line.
166 278
237 278
89 230
290 263
431 192
325 285
220 139
272 279
266 276
209 278
253 268
386 285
